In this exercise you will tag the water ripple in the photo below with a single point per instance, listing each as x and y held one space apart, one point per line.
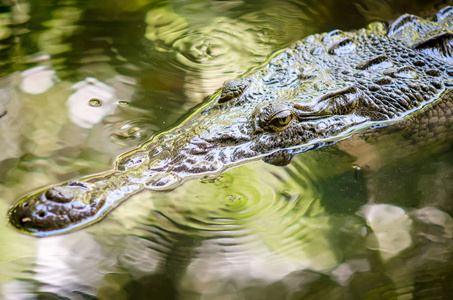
267 216
238 200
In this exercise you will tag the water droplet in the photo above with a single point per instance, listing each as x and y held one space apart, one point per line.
95 102
232 199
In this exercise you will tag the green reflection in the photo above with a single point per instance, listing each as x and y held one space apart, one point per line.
302 221
258 208
61 26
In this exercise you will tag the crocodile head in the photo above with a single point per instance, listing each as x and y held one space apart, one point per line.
261 116
247 119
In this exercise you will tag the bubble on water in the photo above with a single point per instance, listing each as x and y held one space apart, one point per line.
95 102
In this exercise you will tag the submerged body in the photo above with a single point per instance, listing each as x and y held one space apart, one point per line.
320 90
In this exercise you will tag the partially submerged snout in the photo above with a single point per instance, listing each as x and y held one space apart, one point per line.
54 208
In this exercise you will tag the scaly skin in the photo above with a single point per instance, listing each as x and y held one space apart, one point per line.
314 93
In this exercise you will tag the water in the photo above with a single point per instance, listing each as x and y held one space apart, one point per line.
83 82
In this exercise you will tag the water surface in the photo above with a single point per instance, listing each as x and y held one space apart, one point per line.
82 82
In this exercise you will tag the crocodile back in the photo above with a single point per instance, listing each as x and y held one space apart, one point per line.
433 36
432 124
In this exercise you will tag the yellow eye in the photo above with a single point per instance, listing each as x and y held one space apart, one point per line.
282 121
274 117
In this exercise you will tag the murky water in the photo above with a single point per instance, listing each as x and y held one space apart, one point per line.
83 82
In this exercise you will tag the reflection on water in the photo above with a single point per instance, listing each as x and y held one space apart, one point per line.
256 231
219 46
391 227
81 83
37 80
247 211
92 100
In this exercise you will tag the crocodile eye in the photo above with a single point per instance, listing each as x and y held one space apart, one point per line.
274 117
281 121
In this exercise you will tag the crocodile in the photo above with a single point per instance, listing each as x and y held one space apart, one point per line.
316 92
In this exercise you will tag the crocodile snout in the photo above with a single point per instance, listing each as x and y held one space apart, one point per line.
37 213
53 208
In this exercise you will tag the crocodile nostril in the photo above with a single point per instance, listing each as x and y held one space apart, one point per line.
41 214
59 194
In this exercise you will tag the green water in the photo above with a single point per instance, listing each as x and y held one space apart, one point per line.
81 82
